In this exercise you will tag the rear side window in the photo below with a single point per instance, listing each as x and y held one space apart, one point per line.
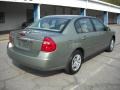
84 25
98 25
78 27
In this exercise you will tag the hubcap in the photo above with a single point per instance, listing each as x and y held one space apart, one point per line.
112 45
76 62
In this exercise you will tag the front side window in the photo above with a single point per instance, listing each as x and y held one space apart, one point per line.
50 23
86 25
98 25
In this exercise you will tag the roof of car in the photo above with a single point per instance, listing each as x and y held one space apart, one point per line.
68 16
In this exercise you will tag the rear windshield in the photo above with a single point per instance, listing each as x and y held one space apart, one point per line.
51 24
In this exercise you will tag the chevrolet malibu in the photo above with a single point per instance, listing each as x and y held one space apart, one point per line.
60 42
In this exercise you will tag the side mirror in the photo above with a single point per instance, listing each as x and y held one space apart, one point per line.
107 28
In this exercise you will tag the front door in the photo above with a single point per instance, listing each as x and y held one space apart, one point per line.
103 35
87 36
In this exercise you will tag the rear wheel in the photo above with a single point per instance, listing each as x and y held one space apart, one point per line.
75 62
111 45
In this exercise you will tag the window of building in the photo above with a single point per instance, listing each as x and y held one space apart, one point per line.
67 10
59 10
2 17
29 15
47 10
74 11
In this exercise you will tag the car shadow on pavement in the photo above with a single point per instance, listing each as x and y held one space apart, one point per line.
38 72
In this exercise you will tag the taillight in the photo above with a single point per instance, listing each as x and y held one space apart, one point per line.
48 45
10 37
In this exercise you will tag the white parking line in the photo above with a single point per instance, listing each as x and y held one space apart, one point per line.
96 71
73 88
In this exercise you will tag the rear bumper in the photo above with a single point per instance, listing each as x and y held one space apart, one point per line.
33 62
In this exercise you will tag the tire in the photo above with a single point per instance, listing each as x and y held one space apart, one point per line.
111 45
75 64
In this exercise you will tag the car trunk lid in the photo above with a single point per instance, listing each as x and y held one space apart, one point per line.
31 40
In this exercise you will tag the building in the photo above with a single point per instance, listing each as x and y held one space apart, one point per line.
14 12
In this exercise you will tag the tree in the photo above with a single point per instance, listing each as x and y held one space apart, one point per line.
117 2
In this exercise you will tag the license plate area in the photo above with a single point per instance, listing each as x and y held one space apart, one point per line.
24 44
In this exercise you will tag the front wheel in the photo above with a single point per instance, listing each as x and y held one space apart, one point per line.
111 46
75 62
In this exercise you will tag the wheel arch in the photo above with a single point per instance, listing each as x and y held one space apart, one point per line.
67 68
113 37
82 50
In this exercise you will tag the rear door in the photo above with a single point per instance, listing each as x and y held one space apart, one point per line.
103 35
87 35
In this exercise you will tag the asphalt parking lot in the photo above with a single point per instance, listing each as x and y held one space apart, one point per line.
99 73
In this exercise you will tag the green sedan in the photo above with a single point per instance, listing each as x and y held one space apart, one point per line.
60 42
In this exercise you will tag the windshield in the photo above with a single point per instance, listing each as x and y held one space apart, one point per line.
50 23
